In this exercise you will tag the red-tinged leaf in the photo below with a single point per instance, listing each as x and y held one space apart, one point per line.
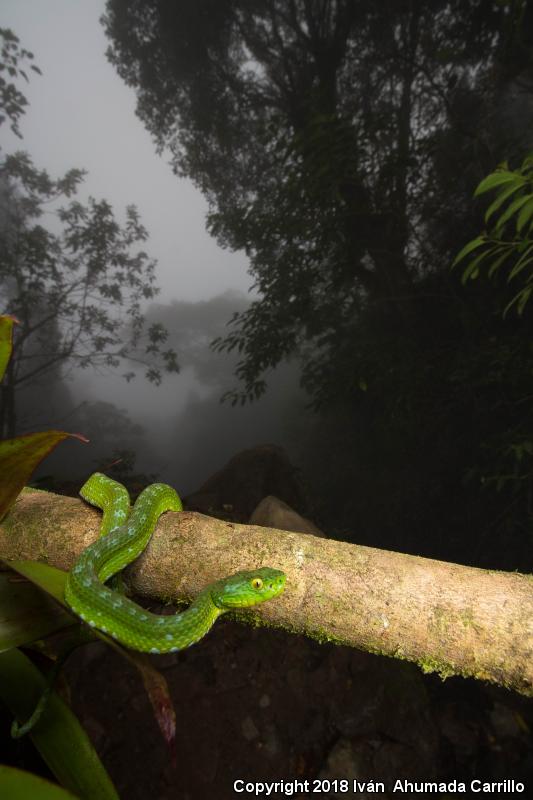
20 456
156 687
159 695
6 340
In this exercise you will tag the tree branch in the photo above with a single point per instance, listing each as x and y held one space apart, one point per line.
447 618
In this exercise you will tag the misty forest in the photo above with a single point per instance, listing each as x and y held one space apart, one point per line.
361 419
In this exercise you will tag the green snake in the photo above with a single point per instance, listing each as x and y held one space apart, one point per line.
122 539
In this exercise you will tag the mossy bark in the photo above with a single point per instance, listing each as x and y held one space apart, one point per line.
450 619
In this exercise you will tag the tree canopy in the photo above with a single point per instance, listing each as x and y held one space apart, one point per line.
12 101
76 293
314 130
78 289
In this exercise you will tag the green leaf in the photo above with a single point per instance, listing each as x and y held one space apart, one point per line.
500 199
58 735
25 613
469 247
524 296
496 179
520 299
471 270
525 214
18 459
16 784
513 208
499 261
521 263
6 340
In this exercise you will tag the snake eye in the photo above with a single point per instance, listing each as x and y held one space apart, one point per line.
257 583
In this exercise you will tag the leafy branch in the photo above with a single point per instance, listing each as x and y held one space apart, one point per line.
12 101
508 240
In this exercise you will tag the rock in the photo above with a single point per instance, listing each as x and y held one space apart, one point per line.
245 480
249 729
274 513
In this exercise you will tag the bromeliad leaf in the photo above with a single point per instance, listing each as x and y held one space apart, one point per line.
50 579
25 613
59 737
20 456
158 692
19 785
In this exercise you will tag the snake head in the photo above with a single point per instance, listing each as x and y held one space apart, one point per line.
247 588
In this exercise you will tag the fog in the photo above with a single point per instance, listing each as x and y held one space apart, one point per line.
80 114
185 433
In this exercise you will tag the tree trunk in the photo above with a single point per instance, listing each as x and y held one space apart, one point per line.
450 619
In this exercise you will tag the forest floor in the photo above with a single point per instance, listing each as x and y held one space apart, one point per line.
261 705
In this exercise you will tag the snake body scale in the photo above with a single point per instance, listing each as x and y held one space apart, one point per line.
122 539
